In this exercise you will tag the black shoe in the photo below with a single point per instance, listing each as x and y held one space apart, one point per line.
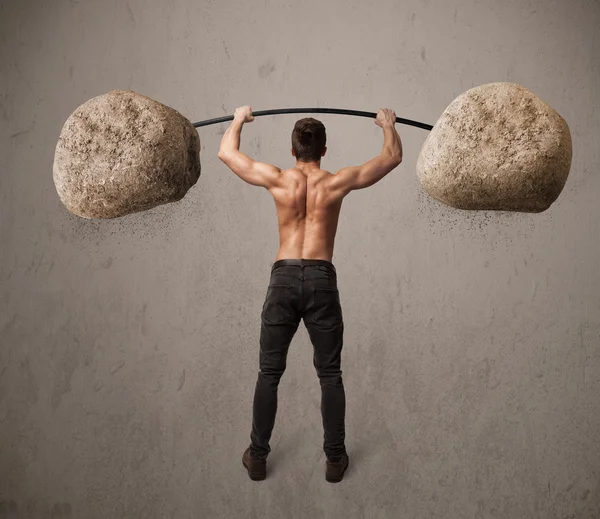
257 469
334 470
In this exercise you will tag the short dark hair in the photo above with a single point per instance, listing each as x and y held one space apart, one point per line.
308 139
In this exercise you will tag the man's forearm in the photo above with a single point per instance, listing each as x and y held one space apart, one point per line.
391 142
231 138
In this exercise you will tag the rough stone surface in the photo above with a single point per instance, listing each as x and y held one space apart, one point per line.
497 147
122 152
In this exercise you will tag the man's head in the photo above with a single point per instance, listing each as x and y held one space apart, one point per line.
308 140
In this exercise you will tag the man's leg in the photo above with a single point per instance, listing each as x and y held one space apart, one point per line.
323 320
279 322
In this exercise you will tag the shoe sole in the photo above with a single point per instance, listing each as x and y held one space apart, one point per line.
253 476
337 480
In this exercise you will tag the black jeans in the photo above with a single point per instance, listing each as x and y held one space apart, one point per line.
301 289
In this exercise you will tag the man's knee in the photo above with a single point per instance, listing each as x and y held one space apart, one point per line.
272 373
331 376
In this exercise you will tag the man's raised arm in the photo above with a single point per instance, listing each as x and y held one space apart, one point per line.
248 169
359 177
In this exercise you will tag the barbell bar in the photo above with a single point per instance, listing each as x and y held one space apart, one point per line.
338 111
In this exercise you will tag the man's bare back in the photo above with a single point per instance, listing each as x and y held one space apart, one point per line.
308 199
308 210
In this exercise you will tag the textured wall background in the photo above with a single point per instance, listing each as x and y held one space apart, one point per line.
129 348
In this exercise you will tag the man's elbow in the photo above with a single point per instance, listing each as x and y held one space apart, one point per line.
395 159
222 155
392 157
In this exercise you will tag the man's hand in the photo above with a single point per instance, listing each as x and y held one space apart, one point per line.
244 114
385 117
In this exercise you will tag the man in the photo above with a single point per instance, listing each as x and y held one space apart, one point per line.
303 283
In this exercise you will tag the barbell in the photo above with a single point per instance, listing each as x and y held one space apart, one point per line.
496 147
338 111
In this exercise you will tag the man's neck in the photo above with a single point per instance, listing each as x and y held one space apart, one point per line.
308 166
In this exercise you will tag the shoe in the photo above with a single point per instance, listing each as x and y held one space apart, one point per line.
257 469
334 470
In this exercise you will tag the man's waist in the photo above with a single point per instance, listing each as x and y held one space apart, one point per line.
303 262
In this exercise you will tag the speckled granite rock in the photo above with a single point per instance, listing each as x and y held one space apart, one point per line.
497 147
122 152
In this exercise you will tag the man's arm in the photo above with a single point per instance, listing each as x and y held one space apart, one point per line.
359 177
250 170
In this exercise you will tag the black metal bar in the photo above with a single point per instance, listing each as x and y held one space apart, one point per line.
358 113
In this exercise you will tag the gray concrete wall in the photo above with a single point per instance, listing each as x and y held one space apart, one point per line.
129 348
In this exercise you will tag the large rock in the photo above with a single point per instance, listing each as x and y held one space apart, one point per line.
122 152
497 146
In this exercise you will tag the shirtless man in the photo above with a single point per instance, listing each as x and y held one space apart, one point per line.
303 282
